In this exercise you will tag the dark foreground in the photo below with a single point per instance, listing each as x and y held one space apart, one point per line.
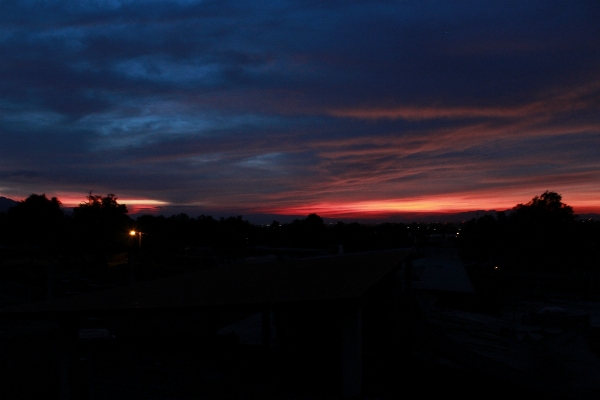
31 362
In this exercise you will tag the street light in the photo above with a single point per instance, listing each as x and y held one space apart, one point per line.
133 233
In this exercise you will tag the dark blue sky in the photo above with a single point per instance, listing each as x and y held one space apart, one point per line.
304 106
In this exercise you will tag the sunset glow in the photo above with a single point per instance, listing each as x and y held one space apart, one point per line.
378 209
73 200
344 109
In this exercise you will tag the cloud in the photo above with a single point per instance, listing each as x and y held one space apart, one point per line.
574 99
243 105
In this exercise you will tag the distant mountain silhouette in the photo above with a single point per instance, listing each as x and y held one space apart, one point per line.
6 203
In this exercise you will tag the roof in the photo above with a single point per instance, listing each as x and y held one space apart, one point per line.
442 274
341 277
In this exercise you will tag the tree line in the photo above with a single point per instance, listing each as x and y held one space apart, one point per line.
543 234
40 223
101 224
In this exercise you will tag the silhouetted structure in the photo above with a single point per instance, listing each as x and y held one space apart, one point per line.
326 324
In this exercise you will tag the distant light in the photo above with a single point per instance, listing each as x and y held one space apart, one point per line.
132 233
496 267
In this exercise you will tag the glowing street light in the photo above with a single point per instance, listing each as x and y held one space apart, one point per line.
133 233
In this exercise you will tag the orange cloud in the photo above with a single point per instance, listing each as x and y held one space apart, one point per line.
572 99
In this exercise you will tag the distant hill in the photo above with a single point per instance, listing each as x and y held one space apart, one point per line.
6 203
593 216
428 217
457 217
405 218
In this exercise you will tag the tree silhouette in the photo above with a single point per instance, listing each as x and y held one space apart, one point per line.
102 222
233 232
541 235
37 221
547 209
541 232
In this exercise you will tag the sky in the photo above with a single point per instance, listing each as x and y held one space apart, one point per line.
343 108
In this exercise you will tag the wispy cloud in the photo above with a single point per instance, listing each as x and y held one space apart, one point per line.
275 105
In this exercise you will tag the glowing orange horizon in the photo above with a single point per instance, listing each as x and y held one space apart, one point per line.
374 209
448 204
383 208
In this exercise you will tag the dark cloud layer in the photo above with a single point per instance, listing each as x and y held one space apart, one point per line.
254 106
